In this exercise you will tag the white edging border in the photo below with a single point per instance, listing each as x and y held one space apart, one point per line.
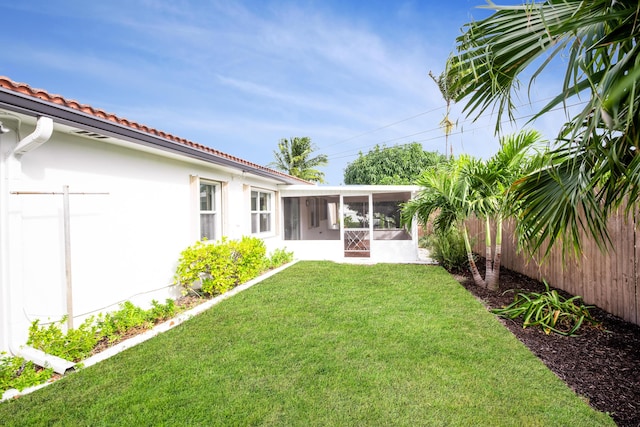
156 330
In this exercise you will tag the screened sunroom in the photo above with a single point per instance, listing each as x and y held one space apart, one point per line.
348 222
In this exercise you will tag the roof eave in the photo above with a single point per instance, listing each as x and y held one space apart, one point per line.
29 105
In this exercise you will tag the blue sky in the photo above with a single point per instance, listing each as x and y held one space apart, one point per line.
240 75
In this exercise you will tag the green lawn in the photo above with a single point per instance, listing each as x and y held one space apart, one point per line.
322 344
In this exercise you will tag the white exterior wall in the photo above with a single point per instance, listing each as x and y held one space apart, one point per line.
124 244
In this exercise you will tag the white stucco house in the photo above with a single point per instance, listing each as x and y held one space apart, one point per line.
95 210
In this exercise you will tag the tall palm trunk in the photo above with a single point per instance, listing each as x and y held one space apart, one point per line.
488 274
494 283
477 278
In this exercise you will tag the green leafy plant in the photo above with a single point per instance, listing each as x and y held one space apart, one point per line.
206 265
18 373
448 248
279 257
549 310
113 325
160 312
75 345
220 266
249 256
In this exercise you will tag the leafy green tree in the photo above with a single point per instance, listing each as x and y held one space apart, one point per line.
294 157
594 167
400 164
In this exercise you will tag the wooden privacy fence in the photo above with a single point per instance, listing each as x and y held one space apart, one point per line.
608 280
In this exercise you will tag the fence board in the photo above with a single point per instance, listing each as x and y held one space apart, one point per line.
608 280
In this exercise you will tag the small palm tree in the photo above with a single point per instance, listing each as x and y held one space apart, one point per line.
445 192
467 186
294 157
493 180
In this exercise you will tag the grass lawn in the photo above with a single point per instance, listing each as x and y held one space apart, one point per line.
322 344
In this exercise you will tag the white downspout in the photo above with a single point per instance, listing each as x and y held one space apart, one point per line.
41 134
5 304
12 170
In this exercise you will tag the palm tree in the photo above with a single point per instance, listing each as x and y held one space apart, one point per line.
594 167
447 89
519 153
457 190
293 157
445 192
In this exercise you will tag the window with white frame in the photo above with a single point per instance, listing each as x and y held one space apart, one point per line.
261 211
209 210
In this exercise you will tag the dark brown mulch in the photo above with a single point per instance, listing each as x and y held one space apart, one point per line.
601 364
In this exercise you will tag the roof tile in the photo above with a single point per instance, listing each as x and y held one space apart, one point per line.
25 89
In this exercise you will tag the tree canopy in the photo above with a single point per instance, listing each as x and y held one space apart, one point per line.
294 157
400 164
594 167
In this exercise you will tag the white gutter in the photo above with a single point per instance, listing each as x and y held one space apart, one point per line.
42 133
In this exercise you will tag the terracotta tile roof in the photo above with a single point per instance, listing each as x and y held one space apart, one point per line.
25 89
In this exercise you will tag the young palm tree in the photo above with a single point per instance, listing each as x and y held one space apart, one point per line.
446 193
519 153
595 167
293 157
457 190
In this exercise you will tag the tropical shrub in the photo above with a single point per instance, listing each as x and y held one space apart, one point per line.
160 312
18 373
549 310
206 265
76 344
279 257
113 325
249 256
218 267
448 249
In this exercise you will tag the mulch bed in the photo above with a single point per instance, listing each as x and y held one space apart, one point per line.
601 364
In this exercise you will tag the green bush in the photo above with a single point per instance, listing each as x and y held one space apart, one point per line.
549 310
220 266
160 312
115 324
18 373
279 257
249 255
448 249
75 345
